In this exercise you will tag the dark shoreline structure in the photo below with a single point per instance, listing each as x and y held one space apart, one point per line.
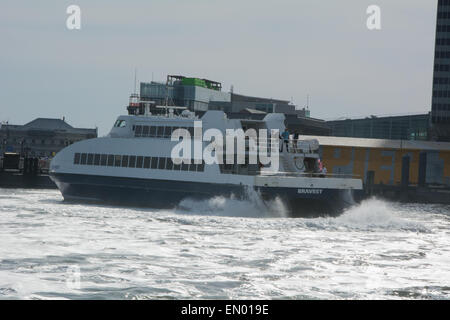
26 150
10 179
42 137
24 172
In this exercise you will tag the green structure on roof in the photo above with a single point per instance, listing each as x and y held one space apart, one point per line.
194 82
197 82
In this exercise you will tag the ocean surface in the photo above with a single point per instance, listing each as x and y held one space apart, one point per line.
219 249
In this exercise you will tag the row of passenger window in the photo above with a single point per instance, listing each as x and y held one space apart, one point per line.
158 131
112 160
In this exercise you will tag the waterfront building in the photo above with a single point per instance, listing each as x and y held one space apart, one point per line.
192 93
440 110
384 158
202 94
41 137
406 127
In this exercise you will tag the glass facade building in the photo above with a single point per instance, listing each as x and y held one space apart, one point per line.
41 137
202 95
195 98
440 110
409 127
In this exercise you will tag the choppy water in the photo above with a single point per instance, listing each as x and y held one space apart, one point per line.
219 249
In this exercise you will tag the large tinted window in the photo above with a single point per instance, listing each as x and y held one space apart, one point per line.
167 132
147 162
169 164
138 131
185 166
103 159
124 161
160 132
97 159
120 123
162 163
132 162
201 167
117 160
83 158
110 160
152 132
90 159
76 158
145 131
154 163
139 162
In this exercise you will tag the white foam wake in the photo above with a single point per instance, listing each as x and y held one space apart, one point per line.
376 214
252 206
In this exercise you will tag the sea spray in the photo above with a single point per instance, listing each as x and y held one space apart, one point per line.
250 204
375 214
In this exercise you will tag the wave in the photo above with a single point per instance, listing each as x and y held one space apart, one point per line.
375 214
369 215
253 206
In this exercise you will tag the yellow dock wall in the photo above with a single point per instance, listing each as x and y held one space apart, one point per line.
386 163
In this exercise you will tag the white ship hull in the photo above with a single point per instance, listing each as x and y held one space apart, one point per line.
140 171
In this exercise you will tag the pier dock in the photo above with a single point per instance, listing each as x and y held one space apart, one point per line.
400 170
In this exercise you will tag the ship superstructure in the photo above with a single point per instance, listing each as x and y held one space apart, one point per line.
135 163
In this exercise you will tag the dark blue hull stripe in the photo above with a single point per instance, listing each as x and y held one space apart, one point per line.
168 194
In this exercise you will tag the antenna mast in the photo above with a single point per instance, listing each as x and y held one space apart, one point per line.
133 104
135 80
167 94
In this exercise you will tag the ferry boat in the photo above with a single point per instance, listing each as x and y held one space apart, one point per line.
134 165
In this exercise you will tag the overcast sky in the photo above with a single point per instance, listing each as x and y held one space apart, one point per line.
281 49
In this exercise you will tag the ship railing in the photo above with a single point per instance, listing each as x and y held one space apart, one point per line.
293 146
310 175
